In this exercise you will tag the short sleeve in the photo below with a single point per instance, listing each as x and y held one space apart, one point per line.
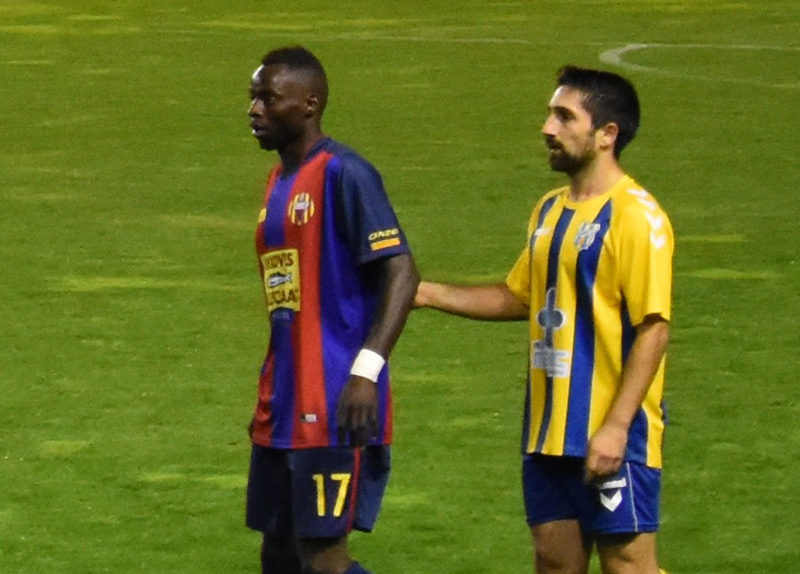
518 279
365 216
646 252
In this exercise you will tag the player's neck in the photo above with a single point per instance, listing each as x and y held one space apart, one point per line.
595 179
292 156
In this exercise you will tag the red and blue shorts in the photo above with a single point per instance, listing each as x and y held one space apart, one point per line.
316 493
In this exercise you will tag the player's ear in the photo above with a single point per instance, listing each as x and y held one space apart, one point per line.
607 135
312 105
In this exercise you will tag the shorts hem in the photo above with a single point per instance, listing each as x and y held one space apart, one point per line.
646 529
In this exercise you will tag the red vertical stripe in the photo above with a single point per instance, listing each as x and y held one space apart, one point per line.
310 399
351 507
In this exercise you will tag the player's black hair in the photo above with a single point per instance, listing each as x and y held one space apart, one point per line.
608 97
301 59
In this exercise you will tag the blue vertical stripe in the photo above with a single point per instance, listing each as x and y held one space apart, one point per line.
339 292
331 280
638 432
542 214
583 350
281 319
347 306
277 204
526 413
526 416
552 278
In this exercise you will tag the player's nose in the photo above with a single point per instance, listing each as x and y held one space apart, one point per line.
548 128
256 108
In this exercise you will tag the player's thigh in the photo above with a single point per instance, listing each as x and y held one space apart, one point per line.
628 553
324 554
280 555
553 489
553 513
336 490
560 547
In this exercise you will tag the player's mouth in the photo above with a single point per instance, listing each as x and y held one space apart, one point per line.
258 130
553 145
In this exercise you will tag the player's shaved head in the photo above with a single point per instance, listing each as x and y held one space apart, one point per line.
307 67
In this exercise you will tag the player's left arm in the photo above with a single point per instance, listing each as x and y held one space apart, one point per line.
645 260
607 446
370 226
357 413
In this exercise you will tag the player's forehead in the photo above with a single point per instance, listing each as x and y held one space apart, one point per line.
278 77
568 98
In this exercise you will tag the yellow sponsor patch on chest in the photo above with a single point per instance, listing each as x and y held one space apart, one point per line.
282 279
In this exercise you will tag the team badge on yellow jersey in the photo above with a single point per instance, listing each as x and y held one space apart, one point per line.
586 234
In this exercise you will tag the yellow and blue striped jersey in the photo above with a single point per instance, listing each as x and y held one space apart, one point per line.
590 273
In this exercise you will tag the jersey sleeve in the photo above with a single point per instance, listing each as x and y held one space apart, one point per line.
365 216
646 251
518 279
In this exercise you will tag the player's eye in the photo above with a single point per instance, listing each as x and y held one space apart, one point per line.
563 115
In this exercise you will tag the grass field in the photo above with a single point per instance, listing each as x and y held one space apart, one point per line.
132 318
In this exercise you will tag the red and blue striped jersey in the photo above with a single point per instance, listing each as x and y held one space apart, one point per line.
320 227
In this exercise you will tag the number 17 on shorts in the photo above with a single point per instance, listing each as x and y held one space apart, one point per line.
337 489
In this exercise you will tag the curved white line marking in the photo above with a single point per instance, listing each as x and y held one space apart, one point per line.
616 56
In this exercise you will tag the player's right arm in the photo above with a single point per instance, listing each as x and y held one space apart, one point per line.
489 302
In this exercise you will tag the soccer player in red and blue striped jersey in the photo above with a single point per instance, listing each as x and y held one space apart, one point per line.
339 281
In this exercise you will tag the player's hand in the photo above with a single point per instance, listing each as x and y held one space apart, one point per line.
422 297
357 413
605 451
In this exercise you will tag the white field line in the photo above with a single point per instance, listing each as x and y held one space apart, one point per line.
616 57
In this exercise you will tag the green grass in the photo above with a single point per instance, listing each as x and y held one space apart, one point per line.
133 324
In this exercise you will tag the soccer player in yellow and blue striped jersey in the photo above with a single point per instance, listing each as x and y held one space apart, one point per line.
592 270
595 282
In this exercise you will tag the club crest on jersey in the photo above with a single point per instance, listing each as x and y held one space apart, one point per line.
301 209
586 235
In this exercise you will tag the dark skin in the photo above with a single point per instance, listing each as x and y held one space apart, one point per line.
358 405
285 116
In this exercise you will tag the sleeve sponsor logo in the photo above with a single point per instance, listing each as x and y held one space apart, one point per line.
382 239
282 279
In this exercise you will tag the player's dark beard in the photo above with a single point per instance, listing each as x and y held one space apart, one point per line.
570 163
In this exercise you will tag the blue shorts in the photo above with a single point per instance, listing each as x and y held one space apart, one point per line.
625 503
316 493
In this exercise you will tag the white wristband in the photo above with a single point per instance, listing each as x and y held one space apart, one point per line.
368 364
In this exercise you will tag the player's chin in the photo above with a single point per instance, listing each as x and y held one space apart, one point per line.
561 162
267 143
556 163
